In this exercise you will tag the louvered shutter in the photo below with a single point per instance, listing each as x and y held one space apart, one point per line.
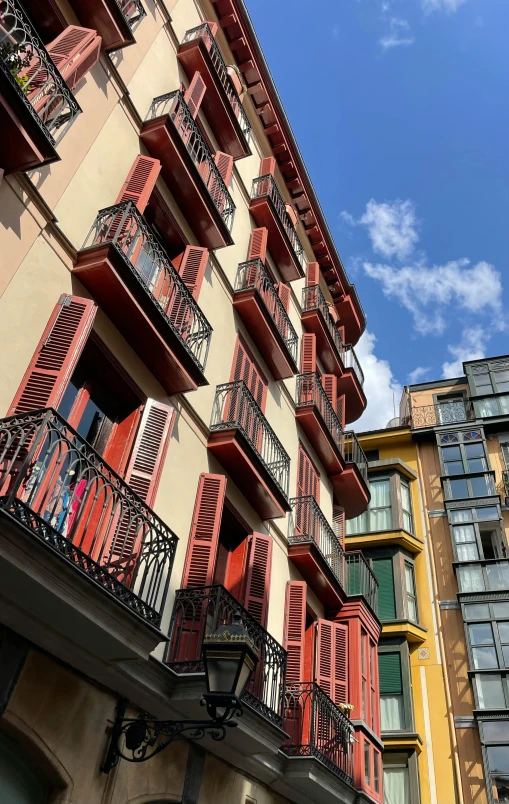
312 274
224 163
382 567
193 96
308 481
308 354
145 465
338 523
140 182
267 166
56 355
340 663
204 534
259 566
294 630
324 660
258 244
74 52
192 268
340 409
329 384
245 368
389 672
284 293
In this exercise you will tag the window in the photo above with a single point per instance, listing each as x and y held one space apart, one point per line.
372 667
491 378
367 763
491 691
397 591
481 578
459 489
406 506
364 672
376 771
392 710
19 781
411 595
495 740
390 507
383 569
396 778
477 534
489 640
492 406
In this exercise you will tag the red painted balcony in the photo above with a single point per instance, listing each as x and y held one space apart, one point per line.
350 384
316 552
221 104
319 421
246 446
265 318
268 209
129 274
351 486
36 105
114 20
351 314
317 319
171 135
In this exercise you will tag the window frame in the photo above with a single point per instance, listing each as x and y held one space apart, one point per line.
396 505
400 645
410 594
494 621
412 765
490 368
399 556
503 674
485 744
478 524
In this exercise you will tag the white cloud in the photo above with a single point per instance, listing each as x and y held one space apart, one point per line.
391 225
398 36
382 389
428 292
471 347
418 374
349 219
441 5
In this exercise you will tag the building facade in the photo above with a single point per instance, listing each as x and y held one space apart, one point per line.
179 382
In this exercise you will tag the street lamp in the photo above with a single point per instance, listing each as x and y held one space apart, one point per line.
230 658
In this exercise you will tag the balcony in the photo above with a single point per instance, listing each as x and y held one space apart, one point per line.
37 105
352 316
483 576
268 209
317 729
199 611
221 104
360 578
171 135
247 447
316 318
320 423
130 275
445 413
79 550
260 308
316 552
351 385
351 487
114 20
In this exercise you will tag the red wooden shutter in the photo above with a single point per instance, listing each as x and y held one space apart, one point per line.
332 659
258 244
146 462
193 96
324 660
56 355
294 631
330 385
140 182
245 368
308 479
267 166
259 565
340 409
192 268
224 164
340 665
204 534
308 354
74 52
338 523
284 293
312 274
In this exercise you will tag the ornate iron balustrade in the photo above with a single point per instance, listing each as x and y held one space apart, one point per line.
310 525
54 484
351 361
266 185
316 727
235 406
311 392
253 275
199 611
453 412
360 578
355 454
313 299
173 105
203 32
124 227
132 10
29 68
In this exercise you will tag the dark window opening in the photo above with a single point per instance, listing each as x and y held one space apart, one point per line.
232 553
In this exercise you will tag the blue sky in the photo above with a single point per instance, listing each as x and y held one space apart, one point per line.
400 109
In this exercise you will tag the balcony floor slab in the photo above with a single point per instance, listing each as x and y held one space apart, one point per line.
316 572
264 213
321 440
355 402
262 328
23 142
312 321
350 491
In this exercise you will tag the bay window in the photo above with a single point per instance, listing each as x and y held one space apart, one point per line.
395 686
400 774
397 591
390 507
495 745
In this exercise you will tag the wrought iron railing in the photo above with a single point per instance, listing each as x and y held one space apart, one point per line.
453 412
199 611
316 727
360 578
132 10
266 186
351 361
253 275
28 66
124 227
203 32
54 484
235 406
355 454
313 299
173 105
311 392
310 525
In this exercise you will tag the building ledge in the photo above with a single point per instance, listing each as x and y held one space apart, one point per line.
402 741
394 463
359 541
411 631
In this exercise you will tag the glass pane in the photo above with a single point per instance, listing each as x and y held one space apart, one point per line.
486 407
376 771
19 781
454 468
405 496
357 525
501 379
490 692
477 611
481 634
451 454
476 465
474 449
498 758
470 579
396 785
458 489
412 609
462 515
407 522
503 632
484 658
481 486
498 576
486 513
467 552
503 402
483 379
501 609
392 712
495 731
380 493
500 789
463 533
505 654
380 519
367 770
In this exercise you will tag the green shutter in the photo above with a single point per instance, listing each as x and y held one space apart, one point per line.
382 567
389 671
